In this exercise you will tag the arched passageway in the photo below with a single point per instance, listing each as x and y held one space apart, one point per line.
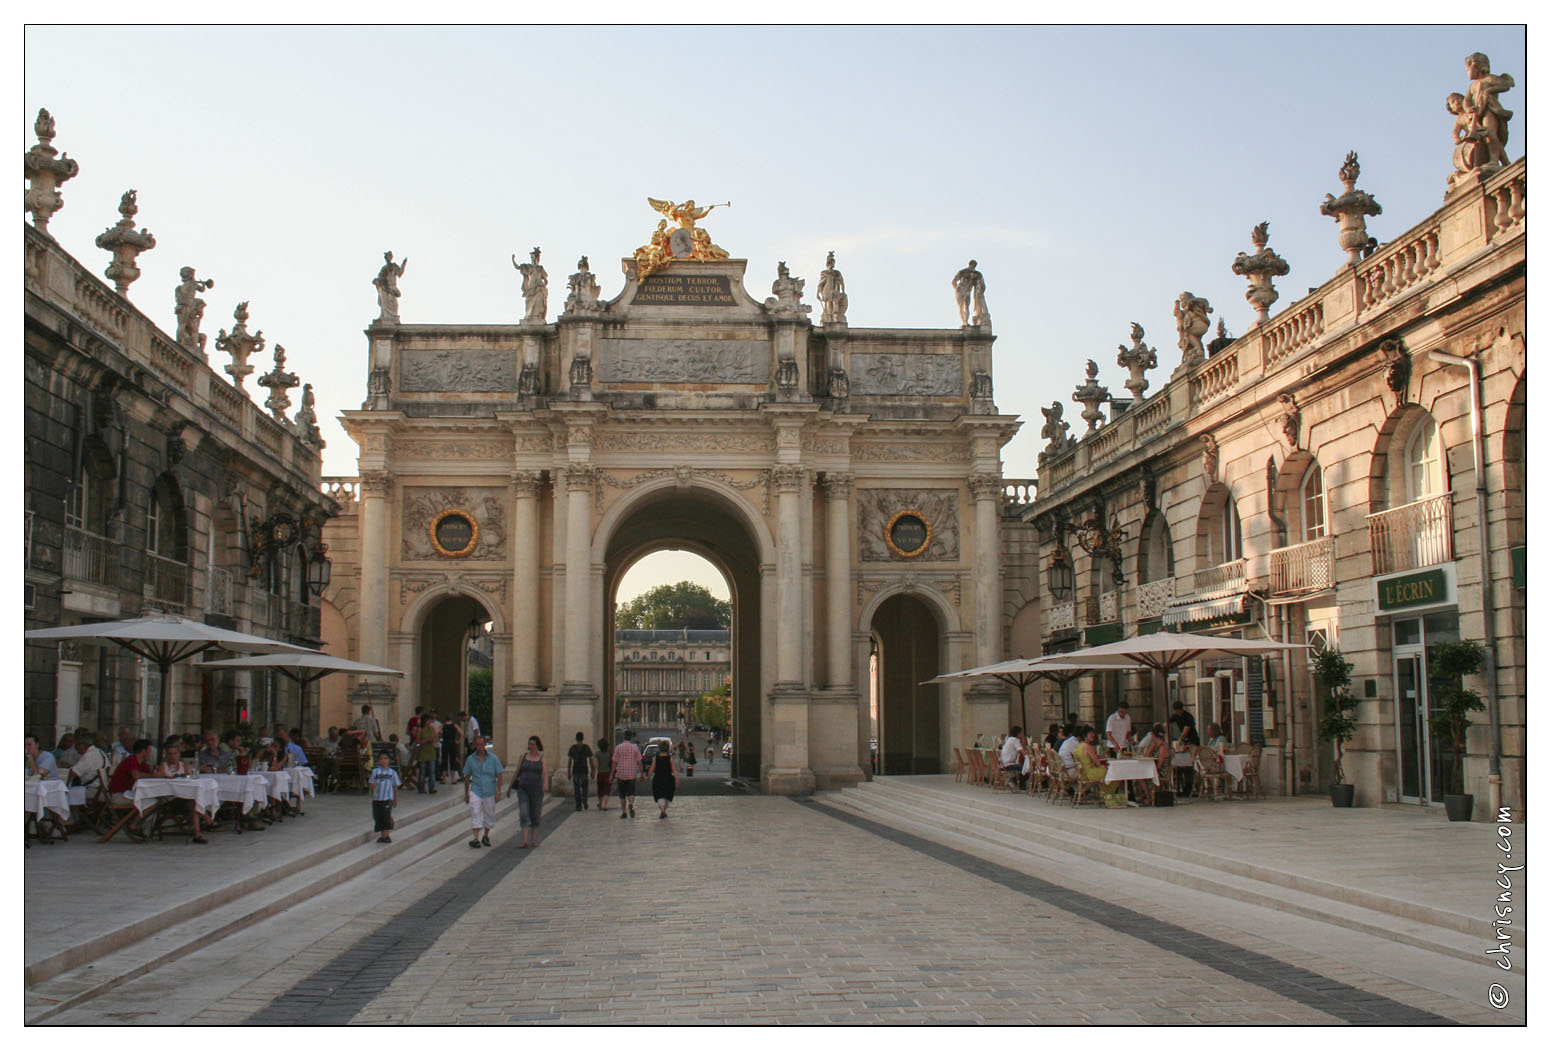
442 670
908 639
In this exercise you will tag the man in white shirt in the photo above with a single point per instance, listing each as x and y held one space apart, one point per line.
1068 750
89 762
1117 730
1012 755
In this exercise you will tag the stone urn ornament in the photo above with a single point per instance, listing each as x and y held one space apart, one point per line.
1350 210
46 170
1090 396
1137 358
240 345
126 243
1260 268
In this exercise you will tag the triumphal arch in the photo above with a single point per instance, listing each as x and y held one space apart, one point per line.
845 480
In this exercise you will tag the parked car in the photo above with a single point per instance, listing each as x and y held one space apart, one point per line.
727 750
655 745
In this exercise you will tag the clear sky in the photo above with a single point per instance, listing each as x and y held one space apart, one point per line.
1094 173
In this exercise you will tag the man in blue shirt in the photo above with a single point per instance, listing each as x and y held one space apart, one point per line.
481 788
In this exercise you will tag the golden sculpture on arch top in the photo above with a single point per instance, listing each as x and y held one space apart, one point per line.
688 242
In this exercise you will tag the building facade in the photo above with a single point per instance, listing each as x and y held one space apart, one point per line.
659 673
152 482
1349 473
846 481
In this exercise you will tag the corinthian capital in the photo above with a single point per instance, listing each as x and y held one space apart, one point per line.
375 483
985 485
526 483
581 477
837 485
789 477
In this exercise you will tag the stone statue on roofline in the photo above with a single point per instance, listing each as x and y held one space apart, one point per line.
832 293
1055 432
787 301
582 296
535 287
1191 321
1480 122
387 285
969 290
190 308
306 425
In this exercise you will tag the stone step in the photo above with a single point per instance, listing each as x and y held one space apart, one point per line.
80 972
1069 820
935 814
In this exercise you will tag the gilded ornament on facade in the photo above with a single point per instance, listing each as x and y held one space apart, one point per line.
454 533
686 243
908 534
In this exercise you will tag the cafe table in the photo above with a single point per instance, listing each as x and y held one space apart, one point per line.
1131 770
1234 765
50 795
246 790
148 792
279 782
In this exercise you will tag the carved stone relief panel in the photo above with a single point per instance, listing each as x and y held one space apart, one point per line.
458 370
876 508
929 452
711 441
453 449
912 374
422 504
683 361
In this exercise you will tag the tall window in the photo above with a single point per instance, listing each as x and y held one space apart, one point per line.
1230 535
1157 551
1311 498
153 518
1424 462
75 503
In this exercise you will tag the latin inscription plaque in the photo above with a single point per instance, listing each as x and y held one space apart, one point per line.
454 533
908 534
685 289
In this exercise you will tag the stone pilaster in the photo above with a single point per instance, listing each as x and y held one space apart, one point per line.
987 491
837 577
526 486
581 481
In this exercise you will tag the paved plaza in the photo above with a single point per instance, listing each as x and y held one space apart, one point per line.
748 909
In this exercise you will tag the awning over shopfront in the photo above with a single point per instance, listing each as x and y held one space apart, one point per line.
1207 614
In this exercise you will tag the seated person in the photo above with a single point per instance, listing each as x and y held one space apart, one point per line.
1013 752
213 757
40 761
171 764
1216 739
90 762
265 760
1155 746
402 757
291 742
1092 766
135 765
1068 750
1154 742
1054 737
64 753
329 765
241 760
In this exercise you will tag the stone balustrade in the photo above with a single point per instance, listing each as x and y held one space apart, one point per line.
1412 536
344 491
1309 566
1467 224
90 557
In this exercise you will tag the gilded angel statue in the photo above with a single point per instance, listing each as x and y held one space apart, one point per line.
684 214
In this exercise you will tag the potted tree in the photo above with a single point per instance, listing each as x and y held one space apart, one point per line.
1336 721
1447 665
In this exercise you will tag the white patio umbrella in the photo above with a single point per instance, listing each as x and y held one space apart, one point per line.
164 639
307 666
1164 651
1023 672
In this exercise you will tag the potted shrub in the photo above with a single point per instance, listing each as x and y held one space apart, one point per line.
1447 665
1336 721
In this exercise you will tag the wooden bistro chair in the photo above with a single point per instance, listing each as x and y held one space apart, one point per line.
1058 779
1209 773
1039 772
1249 787
960 765
996 777
976 766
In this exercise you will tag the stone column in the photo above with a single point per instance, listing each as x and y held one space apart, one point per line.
987 491
789 481
375 486
837 577
581 481
525 579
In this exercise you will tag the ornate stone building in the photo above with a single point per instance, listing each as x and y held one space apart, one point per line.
658 673
847 482
153 482
1349 472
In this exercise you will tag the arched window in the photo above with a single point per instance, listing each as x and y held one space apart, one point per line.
1229 542
1311 502
1157 553
1424 462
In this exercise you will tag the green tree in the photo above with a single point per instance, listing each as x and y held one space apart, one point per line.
714 708
1336 721
480 706
681 605
1448 663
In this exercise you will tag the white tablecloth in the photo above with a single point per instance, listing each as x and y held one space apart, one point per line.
1182 760
279 782
1234 765
204 791
1132 770
47 795
246 790
302 781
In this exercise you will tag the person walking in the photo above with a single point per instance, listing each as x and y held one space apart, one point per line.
582 769
481 788
605 773
385 796
532 776
665 779
425 738
452 750
627 767
689 761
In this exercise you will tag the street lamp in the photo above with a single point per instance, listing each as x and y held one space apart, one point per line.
319 569
1059 576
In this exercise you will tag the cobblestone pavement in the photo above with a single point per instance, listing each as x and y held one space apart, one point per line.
745 910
